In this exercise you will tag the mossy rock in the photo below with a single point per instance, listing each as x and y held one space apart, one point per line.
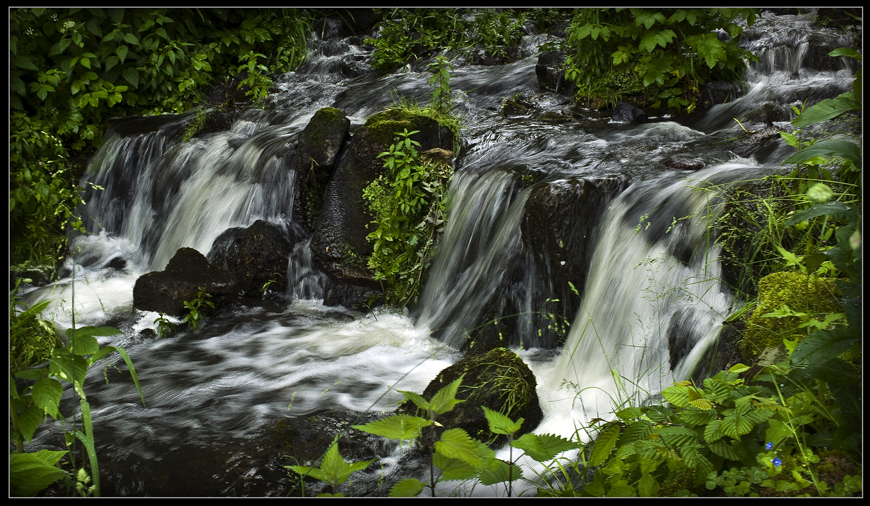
498 380
802 294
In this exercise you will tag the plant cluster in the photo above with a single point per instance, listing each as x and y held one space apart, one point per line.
416 33
73 69
409 209
195 311
455 454
672 52
33 472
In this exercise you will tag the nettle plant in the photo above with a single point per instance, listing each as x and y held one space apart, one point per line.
456 455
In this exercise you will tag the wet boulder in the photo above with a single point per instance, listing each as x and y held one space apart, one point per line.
318 149
339 245
627 113
166 291
551 75
256 255
498 380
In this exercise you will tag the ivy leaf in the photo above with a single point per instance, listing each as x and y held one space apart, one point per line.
543 447
400 427
410 487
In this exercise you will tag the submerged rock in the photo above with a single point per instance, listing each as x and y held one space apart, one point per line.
498 380
627 113
166 291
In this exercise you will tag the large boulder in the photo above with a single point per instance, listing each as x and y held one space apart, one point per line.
318 148
339 244
498 380
256 255
167 290
551 75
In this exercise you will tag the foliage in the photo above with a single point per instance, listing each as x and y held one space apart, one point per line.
333 470
416 33
165 328
672 51
195 308
29 406
441 98
73 69
455 454
31 339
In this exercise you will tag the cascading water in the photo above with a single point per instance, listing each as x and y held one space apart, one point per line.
651 305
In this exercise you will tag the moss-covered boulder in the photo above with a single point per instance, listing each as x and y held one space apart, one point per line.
801 294
167 290
498 380
339 243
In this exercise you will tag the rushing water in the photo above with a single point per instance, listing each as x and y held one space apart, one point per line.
649 291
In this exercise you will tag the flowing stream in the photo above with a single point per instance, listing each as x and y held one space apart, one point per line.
652 288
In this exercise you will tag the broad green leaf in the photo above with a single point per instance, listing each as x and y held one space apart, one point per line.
46 395
543 447
635 432
83 345
697 417
647 486
698 400
457 444
676 436
713 431
839 210
504 472
777 431
337 469
656 38
29 420
828 149
845 51
827 109
736 424
621 488
499 423
453 469
629 414
417 399
121 52
398 427
131 39
30 473
410 487
444 400
823 345
131 75
313 472
68 367
677 395
604 445
724 449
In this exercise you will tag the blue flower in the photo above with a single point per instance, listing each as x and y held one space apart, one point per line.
776 462
768 446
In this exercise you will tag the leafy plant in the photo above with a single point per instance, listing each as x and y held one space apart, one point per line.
333 470
195 308
441 98
165 328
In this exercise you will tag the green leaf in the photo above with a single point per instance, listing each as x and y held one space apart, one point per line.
132 76
131 39
337 469
629 414
605 444
417 399
86 62
657 38
454 469
46 395
823 345
543 447
499 423
29 420
503 472
410 487
677 395
457 444
121 52
66 366
839 210
24 62
828 149
676 436
827 109
443 401
93 26
398 427
647 486
30 473
121 351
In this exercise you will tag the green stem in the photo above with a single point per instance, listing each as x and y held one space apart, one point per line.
19 439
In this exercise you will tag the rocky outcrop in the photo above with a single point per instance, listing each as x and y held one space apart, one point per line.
339 244
167 290
318 148
551 75
498 380
256 255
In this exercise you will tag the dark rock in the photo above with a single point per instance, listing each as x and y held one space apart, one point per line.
339 245
117 263
498 380
166 291
318 147
756 141
554 118
516 108
767 113
551 76
717 92
627 113
256 255
682 164
558 29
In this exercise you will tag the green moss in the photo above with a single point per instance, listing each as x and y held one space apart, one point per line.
800 293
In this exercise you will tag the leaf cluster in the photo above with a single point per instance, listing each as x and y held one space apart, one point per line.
195 309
